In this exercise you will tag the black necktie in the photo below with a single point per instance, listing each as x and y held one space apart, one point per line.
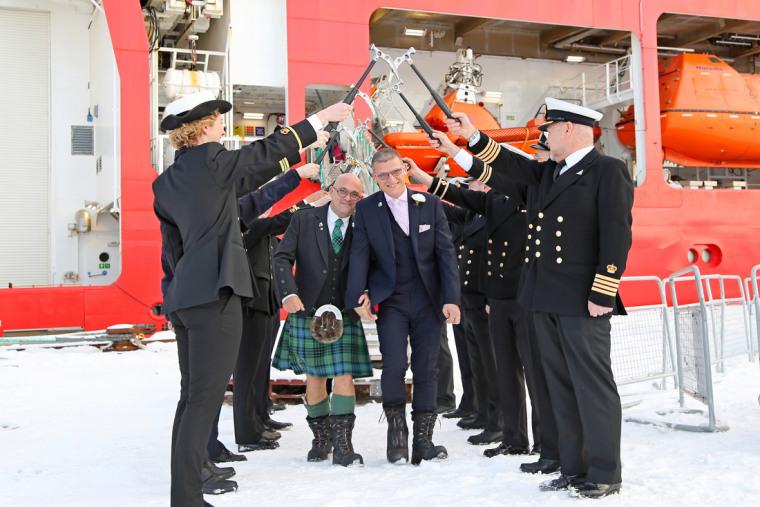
559 168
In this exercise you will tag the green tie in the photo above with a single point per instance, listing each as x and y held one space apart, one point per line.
337 236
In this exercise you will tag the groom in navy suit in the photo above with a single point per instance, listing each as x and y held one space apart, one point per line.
402 260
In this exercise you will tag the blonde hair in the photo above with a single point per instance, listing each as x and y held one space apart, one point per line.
189 134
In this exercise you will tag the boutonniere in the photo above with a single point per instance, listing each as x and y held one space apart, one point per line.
418 198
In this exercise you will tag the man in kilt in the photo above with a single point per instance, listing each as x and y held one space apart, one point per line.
317 242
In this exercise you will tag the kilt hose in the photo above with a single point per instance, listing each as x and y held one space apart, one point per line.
297 350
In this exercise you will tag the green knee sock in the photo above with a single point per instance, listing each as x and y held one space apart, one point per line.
319 409
343 404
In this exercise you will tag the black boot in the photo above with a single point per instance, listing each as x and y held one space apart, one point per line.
422 442
341 427
215 485
398 434
321 445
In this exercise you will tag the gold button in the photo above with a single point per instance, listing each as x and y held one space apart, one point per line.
559 219
489 273
559 260
530 236
503 254
469 261
489 263
540 215
538 228
465 282
472 251
501 264
538 254
559 248
527 248
490 241
526 259
530 226
538 241
461 247
501 276
459 256
559 233
505 243
466 272
489 252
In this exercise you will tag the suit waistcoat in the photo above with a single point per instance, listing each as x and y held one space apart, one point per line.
406 272
331 292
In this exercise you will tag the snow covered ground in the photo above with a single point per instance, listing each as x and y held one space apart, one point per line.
82 427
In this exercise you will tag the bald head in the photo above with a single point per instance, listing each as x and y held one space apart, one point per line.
345 192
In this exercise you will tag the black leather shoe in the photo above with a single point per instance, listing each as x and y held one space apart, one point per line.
271 435
544 466
445 409
277 425
457 414
227 456
505 449
213 485
486 437
472 423
562 483
597 490
261 445
221 472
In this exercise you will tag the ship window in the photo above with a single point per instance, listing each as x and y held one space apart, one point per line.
691 255
714 60
706 257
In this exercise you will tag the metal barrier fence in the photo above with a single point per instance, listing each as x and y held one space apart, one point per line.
642 348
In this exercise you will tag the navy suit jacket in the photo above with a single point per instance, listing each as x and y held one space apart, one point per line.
372 262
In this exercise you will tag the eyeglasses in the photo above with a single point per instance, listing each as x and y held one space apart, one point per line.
396 173
343 193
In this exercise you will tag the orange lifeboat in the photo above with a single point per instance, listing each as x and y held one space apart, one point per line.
415 145
709 114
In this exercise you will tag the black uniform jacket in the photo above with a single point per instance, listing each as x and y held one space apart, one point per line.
504 240
195 200
305 245
261 243
469 239
579 226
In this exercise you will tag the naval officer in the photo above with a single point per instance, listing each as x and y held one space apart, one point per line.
579 233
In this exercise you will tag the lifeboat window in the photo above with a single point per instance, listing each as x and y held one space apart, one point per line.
691 255
706 256
714 60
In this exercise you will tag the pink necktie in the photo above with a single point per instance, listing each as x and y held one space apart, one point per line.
401 218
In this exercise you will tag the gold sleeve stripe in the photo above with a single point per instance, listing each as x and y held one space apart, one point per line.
297 138
445 188
437 186
603 291
487 171
606 286
284 164
611 284
607 278
490 152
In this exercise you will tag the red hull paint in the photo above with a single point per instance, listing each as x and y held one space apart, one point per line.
138 288
667 222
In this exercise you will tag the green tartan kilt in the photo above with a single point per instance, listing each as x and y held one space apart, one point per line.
297 350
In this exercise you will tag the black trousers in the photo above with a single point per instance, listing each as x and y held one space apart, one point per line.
539 397
251 359
467 401
445 394
420 327
483 366
576 357
207 343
